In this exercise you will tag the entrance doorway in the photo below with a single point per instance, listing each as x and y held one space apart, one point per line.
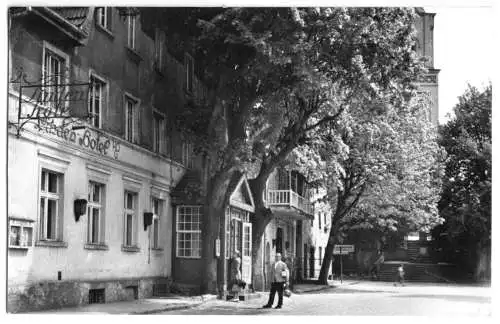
279 240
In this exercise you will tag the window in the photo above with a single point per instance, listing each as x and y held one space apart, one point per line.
319 220
54 77
130 207
247 234
187 152
51 199
157 211
189 67
324 218
130 119
95 213
320 255
97 97
188 232
20 234
159 49
131 31
158 133
103 17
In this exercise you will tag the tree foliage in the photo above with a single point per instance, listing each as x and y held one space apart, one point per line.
390 179
284 78
466 199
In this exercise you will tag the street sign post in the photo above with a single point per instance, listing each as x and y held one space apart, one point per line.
342 250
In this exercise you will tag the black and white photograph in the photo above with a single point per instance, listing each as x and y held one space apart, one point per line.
224 158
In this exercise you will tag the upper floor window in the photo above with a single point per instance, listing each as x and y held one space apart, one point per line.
187 154
189 67
159 49
54 73
51 202
97 97
103 17
95 213
130 119
131 21
158 133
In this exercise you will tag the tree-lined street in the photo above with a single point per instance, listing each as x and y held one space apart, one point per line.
365 298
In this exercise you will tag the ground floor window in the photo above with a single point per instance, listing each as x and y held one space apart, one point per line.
188 232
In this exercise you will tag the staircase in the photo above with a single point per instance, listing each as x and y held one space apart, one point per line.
414 272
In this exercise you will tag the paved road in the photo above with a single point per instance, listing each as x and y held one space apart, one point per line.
371 299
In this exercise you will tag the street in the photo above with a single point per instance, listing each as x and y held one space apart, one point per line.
364 299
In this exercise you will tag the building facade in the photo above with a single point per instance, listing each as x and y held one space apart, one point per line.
289 196
92 158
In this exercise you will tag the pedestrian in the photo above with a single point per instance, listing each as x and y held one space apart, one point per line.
279 275
236 276
400 275
376 265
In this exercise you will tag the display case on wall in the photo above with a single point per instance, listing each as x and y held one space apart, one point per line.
20 233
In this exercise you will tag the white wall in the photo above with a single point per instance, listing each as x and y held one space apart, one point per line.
39 263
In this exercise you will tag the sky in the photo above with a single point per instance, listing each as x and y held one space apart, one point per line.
463 51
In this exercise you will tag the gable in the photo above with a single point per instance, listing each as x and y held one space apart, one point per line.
241 197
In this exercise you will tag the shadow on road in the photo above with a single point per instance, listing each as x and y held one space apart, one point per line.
477 299
334 290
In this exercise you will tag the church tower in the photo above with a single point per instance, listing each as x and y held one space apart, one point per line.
425 48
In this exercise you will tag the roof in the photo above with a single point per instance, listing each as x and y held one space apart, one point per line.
75 15
189 190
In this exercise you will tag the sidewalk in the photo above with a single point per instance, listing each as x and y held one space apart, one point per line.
135 307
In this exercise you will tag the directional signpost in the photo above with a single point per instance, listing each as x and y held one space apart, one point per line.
342 250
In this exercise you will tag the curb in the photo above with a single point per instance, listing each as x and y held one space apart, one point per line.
165 309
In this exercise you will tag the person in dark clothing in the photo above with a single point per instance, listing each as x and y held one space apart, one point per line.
375 270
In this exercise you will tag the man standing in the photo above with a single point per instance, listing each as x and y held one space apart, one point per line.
279 275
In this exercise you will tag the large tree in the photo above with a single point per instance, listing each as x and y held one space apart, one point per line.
466 199
277 76
390 180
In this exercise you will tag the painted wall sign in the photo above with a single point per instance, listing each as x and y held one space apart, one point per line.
91 140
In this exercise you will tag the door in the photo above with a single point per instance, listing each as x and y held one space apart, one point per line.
279 240
311 262
246 255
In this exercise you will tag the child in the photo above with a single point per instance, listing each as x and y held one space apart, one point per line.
401 275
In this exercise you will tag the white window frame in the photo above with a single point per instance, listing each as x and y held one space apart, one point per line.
189 67
62 57
131 31
96 205
159 134
25 240
133 212
131 135
103 99
103 17
181 253
58 196
187 154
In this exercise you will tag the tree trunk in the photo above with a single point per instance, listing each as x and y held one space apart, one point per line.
263 217
327 259
216 198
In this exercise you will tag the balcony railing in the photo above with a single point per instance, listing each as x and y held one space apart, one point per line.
289 198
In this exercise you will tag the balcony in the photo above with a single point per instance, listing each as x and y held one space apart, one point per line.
289 199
